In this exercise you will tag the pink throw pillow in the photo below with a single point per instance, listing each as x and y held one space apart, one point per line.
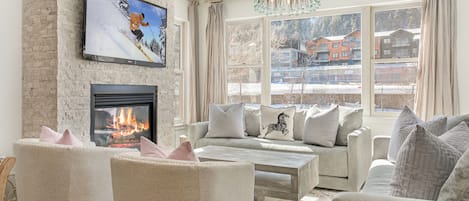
183 152
69 139
150 149
48 135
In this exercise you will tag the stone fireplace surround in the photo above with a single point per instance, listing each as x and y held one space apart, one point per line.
57 80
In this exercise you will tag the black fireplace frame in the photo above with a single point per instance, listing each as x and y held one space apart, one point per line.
113 95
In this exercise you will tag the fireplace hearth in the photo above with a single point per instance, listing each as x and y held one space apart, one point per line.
121 114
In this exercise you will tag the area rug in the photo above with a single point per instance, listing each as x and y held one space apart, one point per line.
318 194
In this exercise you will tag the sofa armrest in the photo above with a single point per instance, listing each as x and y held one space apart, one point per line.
348 196
197 131
359 157
380 147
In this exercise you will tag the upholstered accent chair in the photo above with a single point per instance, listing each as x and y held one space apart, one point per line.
55 172
136 178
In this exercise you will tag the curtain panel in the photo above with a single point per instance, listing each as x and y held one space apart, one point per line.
216 86
437 90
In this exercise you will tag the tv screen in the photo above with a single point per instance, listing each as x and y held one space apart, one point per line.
125 31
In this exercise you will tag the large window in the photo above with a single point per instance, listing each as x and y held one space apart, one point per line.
395 71
244 60
313 73
359 57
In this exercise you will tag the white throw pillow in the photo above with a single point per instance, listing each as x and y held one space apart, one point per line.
321 128
350 119
277 123
456 187
299 122
405 123
252 118
227 123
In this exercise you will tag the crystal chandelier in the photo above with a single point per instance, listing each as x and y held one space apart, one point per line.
285 7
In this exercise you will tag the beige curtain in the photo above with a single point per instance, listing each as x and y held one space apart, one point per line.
437 91
215 88
195 114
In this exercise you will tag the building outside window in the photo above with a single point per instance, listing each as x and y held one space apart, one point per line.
324 80
395 75
300 68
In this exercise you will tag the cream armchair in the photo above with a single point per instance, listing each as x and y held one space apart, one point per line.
136 178
56 172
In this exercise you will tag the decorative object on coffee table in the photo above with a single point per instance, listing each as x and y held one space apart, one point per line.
278 174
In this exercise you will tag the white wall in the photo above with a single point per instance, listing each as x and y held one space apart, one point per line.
181 7
462 61
10 75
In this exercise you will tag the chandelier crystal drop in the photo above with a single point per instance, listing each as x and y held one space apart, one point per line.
285 7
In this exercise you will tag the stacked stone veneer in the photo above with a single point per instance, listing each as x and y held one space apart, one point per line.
57 80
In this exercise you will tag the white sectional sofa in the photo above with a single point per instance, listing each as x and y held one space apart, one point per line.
340 167
54 172
377 186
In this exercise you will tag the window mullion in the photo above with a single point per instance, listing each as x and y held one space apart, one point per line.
367 72
265 72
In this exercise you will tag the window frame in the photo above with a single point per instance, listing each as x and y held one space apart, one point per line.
262 64
183 72
374 61
367 43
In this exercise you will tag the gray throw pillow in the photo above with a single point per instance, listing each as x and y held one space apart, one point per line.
321 128
458 137
350 119
455 120
277 123
299 124
252 118
456 187
299 121
405 123
423 165
226 123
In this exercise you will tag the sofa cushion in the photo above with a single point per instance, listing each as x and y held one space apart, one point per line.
405 123
277 123
332 161
69 139
379 177
321 128
458 137
299 124
423 165
252 118
350 119
226 121
456 186
49 135
455 120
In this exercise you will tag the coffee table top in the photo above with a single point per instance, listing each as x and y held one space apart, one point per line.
272 161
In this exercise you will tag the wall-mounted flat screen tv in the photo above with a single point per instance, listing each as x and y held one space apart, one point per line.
125 31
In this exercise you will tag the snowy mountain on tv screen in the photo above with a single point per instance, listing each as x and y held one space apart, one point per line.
109 33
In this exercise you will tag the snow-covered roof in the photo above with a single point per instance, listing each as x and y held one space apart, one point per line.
388 33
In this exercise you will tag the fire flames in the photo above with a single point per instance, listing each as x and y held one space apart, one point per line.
125 122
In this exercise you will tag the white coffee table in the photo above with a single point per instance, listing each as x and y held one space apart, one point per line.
278 174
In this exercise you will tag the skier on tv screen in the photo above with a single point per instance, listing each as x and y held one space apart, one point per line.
136 19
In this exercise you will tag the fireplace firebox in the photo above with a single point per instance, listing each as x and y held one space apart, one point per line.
121 114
